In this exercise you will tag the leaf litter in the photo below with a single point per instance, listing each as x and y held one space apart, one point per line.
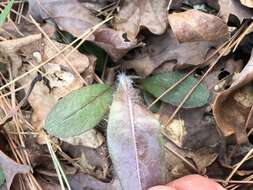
172 94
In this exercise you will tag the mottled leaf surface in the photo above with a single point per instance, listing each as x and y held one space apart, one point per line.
79 111
134 141
159 83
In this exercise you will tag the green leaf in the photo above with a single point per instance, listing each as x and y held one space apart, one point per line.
2 176
159 83
5 12
148 99
79 111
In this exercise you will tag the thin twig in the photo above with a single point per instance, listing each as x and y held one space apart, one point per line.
239 165
23 101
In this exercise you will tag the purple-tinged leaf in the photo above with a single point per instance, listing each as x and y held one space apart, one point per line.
134 141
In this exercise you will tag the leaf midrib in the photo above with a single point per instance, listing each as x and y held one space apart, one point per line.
83 106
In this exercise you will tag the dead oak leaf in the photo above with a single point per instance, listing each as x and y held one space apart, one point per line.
164 48
234 7
61 78
194 25
232 106
193 129
11 168
248 3
9 48
137 13
72 17
79 61
42 99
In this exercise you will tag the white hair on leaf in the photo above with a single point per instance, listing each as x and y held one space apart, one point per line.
125 87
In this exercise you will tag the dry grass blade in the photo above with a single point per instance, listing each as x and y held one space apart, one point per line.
239 165
234 186
250 115
84 36
16 141
60 173
57 49
181 157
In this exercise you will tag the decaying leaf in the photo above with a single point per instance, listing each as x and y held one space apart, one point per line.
134 140
11 168
193 25
232 106
79 111
194 137
9 48
137 13
81 181
248 3
42 99
76 20
91 139
79 61
158 84
164 48
91 161
60 76
191 128
234 7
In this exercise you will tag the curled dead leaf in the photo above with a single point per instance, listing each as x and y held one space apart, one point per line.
136 13
191 128
9 48
77 20
194 25
248 3
234 7
231 107
91 139
79 61
164 48
42 99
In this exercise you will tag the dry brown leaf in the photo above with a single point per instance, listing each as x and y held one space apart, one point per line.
234 7
82 181
194 25
9 48
42 99
76 20
203 158
92 161
61 78
248 3
79 61
164 48
11 168
47 185
91 139
137 13
196 129
194 137
231 107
